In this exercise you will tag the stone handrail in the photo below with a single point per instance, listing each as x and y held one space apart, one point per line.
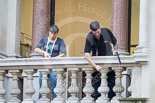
36 63
72 64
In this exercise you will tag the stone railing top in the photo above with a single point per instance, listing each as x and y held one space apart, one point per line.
141 57
65 62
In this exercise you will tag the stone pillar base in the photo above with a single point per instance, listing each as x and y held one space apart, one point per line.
41 101
14 102
141 51
114 101
36 55
138 51
2 56
2 101
102 101
13 56
28 101
61 101
124 53
72 101
87 101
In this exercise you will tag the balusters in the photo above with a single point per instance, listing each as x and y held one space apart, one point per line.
73 89
130 87
15 91
118 88
29 90
59 90
44 90
2 90
103 89
88 89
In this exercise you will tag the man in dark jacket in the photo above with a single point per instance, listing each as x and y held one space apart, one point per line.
101 42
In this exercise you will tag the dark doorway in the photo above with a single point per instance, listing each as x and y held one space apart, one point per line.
52 12
129 24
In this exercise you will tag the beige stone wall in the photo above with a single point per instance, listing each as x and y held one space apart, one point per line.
73 18
26 16
135 24
26 26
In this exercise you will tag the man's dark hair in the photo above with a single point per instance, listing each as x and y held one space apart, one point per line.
94 25
54 29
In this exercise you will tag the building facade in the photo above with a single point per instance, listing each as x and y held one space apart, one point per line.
25 22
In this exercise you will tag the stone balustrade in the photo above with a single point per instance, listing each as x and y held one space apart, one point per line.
74 65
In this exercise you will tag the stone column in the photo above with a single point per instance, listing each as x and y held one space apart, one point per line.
143 32
120 24
151 23
41 20
3 28
13 28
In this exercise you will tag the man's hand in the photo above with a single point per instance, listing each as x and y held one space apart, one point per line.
47 55
114 52
98 68
88 57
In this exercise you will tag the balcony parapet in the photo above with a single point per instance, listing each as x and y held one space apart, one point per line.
65 62
72 65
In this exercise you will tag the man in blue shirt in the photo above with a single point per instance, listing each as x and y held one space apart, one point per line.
53 46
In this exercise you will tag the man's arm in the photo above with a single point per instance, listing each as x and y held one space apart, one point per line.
113 43
46 55
88 57
61 55
40 51
62 49
87 51
114 48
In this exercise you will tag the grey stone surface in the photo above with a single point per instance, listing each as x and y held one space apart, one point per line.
151 23
3 27
73 62
10 28
39 63
13 28
143 32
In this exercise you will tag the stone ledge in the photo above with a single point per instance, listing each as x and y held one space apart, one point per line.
65 62
133 100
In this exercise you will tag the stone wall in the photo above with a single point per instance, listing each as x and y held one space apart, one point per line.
3 27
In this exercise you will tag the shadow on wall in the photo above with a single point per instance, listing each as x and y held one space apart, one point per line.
76 43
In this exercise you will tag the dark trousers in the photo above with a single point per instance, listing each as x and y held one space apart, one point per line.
97 81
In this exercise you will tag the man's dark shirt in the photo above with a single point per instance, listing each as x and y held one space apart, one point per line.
99 44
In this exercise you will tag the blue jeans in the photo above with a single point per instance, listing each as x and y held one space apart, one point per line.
52 77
